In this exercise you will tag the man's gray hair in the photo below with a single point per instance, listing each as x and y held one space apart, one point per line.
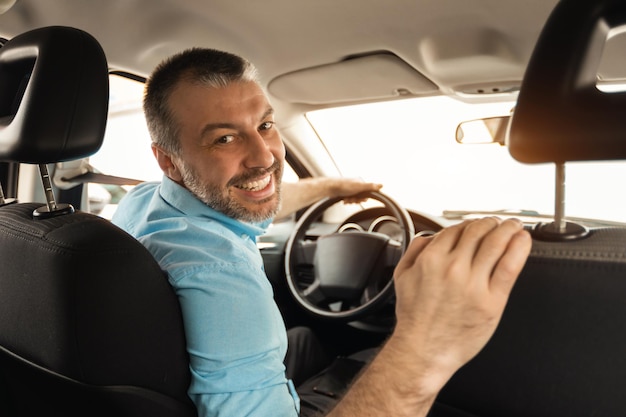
204 66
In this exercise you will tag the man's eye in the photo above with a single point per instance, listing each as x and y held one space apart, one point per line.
225 139
266 126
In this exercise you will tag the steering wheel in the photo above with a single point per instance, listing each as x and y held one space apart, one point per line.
349 273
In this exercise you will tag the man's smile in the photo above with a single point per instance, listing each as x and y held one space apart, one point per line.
255 185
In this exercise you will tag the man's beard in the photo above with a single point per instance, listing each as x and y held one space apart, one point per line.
219 198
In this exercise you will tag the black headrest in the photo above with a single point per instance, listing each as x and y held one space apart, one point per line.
54 94
560 114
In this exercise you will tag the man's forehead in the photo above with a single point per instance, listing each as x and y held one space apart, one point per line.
234 93
201 108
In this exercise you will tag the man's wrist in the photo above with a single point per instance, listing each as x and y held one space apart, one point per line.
421 371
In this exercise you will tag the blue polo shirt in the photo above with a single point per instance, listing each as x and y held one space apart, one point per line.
236 337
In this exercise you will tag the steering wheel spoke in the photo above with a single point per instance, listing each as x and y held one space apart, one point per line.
393 252
304 251
314 294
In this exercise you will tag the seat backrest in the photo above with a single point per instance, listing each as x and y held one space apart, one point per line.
88 322
560 347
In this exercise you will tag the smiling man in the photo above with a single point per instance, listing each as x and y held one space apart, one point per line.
231 155
215 139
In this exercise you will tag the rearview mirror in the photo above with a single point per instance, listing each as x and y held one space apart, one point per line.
488 130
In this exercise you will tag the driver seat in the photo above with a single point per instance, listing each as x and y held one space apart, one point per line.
88 322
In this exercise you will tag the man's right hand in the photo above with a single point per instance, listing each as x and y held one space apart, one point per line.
451 290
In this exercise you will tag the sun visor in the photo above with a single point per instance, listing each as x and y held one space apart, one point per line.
369 77
561 115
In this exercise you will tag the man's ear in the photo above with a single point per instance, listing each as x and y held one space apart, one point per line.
167 164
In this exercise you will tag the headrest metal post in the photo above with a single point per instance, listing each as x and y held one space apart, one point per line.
5 201
559 230
47 187
559 198
51 209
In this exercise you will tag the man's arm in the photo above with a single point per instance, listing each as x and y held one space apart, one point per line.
296 195
451 291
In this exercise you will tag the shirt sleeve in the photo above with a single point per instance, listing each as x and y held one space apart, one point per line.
236 340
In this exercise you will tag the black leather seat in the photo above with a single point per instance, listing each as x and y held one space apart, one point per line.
560 347
88 323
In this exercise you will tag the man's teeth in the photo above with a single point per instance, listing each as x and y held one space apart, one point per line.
256 185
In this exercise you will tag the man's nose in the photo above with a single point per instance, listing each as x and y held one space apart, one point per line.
259 152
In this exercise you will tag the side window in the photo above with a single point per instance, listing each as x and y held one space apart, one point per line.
126 151
289 175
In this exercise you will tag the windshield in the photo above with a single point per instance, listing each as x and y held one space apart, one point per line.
409 146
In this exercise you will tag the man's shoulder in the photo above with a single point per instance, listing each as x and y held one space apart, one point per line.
141 191
190 238
191 247
130 207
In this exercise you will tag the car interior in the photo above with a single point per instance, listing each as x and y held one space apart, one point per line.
89 324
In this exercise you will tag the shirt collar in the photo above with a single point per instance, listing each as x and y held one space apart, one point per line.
187 203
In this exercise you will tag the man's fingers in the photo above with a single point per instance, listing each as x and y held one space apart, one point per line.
489 248
441 245
511 263
493 244
501 253
447 239
352 190
410 256
473 235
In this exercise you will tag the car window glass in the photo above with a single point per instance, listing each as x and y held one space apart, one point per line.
126 149
409 146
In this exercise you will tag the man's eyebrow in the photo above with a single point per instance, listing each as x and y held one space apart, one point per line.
268 112
213 126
